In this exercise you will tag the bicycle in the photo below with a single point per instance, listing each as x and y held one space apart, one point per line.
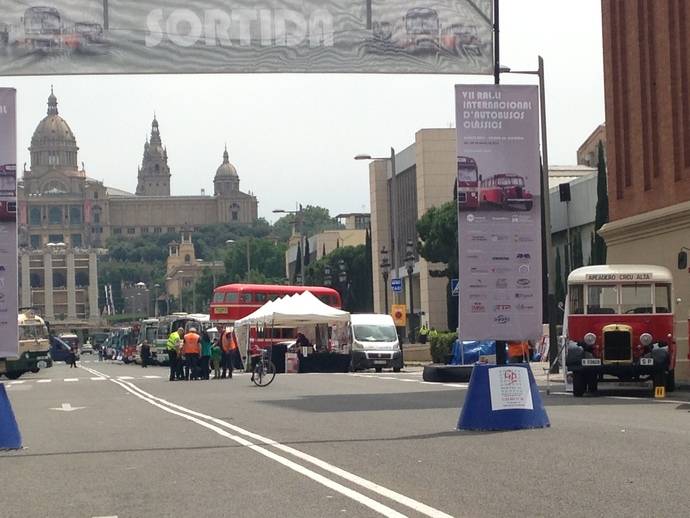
264 370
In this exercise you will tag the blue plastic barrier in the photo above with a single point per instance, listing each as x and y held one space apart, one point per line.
511 397
473 350
9 431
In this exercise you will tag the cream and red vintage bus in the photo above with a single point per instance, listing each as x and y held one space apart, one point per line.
620 326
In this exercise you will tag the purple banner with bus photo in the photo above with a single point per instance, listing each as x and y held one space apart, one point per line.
8 224
499 219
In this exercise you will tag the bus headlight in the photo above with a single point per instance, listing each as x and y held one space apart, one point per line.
590 338
646 339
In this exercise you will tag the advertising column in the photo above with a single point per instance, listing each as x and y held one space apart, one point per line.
499 219
8 224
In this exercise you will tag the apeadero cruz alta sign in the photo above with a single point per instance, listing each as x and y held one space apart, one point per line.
215 36
499 221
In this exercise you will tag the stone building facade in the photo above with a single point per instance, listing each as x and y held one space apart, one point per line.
60 203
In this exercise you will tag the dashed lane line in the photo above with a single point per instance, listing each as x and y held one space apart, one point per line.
197 417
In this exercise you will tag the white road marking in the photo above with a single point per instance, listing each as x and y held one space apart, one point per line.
71 379
456 385
16 382
358 497
44 381
98 378
151 377
125 378
66 407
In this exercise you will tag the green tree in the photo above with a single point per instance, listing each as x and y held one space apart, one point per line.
602 210
314 220
438 238
578 259
356 291
438 243
267 260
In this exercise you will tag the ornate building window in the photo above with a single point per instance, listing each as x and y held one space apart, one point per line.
56 238
117 230
35 241
36 280
131 231
59 280
187 259
157 230
75 216
55 215
35 216
76 240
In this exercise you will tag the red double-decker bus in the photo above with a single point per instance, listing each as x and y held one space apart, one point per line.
235 301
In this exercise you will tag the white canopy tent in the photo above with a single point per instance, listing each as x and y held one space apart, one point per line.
299 310
291 311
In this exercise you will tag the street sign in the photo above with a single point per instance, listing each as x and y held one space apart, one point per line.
454 287
399 314
396 285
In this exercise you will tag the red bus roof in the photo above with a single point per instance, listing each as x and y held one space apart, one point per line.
283 288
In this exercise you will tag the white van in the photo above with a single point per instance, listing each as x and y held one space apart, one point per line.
374 342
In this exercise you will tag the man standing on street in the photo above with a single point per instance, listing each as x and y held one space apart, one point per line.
172 347
145 354
191 347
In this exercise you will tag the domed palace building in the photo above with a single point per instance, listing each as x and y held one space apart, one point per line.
64 211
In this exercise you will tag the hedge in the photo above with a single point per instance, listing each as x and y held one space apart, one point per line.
441 346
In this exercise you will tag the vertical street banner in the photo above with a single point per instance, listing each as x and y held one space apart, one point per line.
244 36
499 219
8 224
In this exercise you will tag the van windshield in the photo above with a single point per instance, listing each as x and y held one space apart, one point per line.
374 333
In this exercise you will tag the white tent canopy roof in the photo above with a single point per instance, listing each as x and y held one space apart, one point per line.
296 310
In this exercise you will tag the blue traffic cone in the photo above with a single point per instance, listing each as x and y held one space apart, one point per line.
9 431
502 397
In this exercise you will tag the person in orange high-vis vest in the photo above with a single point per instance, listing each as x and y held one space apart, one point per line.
191 347
228 346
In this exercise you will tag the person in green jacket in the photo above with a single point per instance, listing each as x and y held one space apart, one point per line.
215 359
205 355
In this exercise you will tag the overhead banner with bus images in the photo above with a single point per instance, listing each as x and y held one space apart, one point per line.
499 218
243 36
8 224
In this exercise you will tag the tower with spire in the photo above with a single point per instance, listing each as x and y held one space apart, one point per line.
154 173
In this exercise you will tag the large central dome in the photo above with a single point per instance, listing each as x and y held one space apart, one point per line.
53 145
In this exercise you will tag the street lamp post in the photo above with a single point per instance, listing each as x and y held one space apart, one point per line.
385 266
155 300
393 206
409 265
327 279
551 259
299 220
343 279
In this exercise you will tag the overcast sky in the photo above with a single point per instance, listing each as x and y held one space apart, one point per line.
292 137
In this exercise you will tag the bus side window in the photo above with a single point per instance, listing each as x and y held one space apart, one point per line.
218 296
246 298
231 297
576 299
662 298
261 297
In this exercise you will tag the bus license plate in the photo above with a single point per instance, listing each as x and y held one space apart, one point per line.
591 362
379 362
646 361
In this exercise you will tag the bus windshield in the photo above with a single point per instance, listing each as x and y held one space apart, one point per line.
510 181
33 331
627 298
422 23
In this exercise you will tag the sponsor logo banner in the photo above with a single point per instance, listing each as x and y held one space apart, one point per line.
498 186
9 342
215 36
